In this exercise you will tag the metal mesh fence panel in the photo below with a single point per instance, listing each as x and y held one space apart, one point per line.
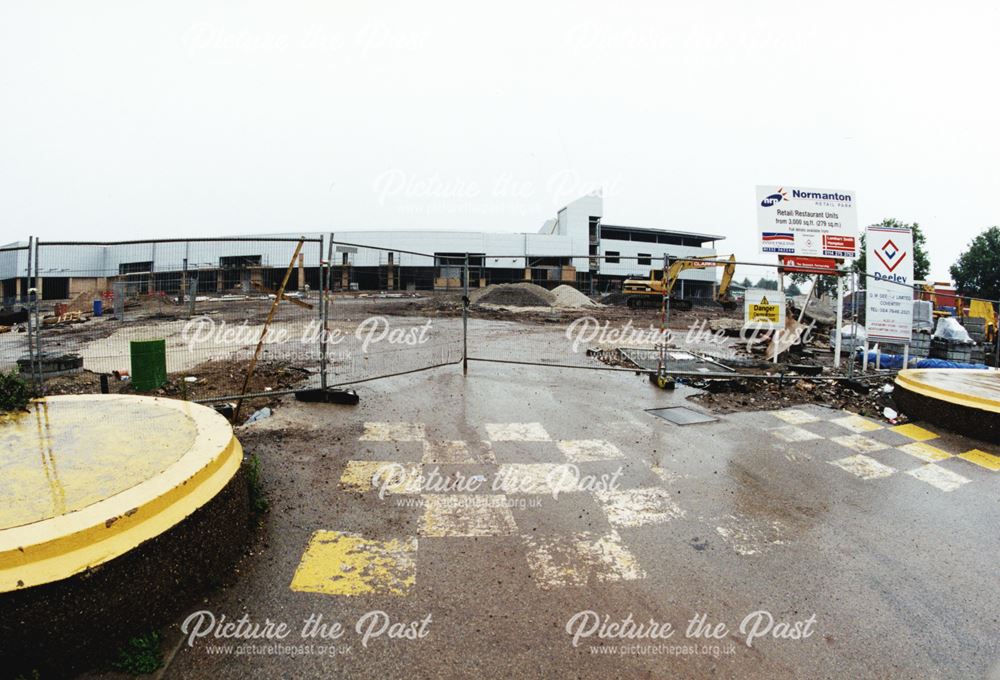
205 299
14 322
390 312
385 312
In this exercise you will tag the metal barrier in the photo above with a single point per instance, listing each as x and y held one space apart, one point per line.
353 312
207 299
375 316
15 335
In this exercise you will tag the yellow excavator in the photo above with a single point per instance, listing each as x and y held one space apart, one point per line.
649 292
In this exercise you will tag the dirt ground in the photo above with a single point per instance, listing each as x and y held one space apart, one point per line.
213 378
224 377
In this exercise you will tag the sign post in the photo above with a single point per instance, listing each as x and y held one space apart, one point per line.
889 297
840 325
813 230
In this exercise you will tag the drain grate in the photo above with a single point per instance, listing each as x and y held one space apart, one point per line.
681 415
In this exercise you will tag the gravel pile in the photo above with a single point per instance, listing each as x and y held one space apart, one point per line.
568 296
513 295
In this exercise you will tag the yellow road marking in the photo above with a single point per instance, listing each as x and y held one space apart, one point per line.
365 475
856 423
982 459
338 563
925 452
914 432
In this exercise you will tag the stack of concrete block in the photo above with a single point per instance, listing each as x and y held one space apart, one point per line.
920 346
950 350
976 328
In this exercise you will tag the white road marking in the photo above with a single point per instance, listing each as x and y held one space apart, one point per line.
864 467
579 559
588 450
794 416
792 433
517 432
748 536
638 507
393 432
666 475
452 452
466 515
938 477
859 443
535 478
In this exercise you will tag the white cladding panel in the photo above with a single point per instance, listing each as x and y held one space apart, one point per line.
657 250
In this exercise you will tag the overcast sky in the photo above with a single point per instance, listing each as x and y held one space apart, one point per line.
141 119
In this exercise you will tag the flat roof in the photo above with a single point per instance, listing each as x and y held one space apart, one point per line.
693 234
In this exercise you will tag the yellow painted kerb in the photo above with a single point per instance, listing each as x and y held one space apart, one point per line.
979 389
87 478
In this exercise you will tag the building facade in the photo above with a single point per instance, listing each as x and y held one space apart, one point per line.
576 247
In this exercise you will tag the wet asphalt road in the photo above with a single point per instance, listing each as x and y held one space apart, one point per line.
896 575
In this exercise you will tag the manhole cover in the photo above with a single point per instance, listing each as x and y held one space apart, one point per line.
681 415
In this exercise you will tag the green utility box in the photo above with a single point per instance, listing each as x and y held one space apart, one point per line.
149 364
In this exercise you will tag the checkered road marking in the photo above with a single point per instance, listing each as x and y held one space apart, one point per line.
866 464
341 563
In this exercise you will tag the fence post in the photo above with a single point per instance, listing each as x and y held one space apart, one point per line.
839 329
324 273
192 294
996 339
667 294
39 380
26 299
465 318
854 324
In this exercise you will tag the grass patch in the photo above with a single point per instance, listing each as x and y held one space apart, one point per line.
13 392
258 500
141 655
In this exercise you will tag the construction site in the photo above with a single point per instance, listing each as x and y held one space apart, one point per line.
302 477
450 340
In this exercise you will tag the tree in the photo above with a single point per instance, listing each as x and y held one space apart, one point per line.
977 271
823 284
747 283
921 261
792 290
767 284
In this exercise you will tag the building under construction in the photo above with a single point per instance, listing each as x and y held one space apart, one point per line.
576 247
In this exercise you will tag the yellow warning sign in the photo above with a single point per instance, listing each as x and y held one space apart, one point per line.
765 311
764 308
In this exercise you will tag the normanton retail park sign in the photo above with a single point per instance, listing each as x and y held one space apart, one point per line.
807 222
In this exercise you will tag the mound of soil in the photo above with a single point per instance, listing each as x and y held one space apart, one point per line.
513 295
568 296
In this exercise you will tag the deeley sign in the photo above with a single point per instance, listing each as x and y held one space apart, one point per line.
764 309
812 222
889 300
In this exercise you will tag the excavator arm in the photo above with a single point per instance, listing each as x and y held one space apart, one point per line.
635 289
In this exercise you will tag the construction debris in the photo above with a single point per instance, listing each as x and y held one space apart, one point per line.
745 394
